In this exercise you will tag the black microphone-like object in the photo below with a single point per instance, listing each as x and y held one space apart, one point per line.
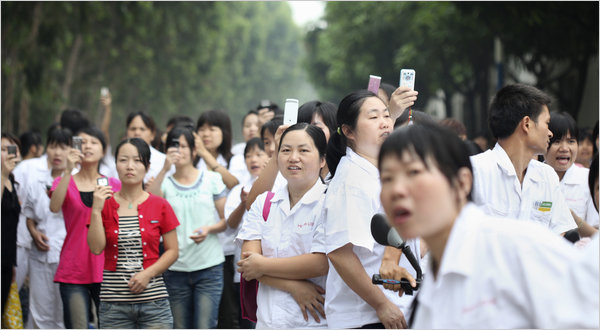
384 235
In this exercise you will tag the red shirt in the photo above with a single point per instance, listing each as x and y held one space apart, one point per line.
156 217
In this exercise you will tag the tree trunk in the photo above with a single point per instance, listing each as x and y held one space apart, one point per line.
9 101
70 71
23 116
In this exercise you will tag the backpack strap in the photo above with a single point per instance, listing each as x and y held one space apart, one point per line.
267 207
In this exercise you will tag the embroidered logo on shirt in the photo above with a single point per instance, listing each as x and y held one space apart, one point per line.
543 206
153 221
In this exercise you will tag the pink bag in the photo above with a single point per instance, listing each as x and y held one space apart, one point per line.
249 289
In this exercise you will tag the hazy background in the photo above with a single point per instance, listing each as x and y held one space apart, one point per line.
170 58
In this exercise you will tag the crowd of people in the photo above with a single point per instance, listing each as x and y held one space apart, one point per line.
183 229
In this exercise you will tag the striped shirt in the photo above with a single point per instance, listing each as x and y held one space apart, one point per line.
115 283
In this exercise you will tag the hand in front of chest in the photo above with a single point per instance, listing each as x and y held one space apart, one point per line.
139 281
101 194
309 298
250 265
199 235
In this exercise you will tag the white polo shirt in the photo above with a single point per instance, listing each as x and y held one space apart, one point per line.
496 188
351 201
25 172
574 186
286 233
233 201
492 276
36 206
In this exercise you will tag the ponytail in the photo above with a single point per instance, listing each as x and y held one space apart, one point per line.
347 114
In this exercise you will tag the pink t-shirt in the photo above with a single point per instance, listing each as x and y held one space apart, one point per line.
78 265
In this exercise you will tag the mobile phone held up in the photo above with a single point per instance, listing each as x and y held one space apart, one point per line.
11 149
374 82
77 143
104 91
290 112
407 78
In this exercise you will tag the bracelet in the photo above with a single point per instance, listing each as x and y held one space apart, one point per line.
214 168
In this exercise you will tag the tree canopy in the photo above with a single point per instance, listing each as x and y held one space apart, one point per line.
165 58
451 47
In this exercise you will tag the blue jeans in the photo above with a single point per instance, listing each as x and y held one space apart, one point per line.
195 297
154 314
76 303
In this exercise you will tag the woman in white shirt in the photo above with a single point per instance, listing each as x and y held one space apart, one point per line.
561 156
283 243
250 129
236 213
352 200
213 145
140 125
485 272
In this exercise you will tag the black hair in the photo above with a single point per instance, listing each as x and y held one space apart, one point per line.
429 142
97 133
473 148
221 120
388 89
511 104
326 110
595 135
29 139
593 176
269 105
272 126
74 119
587 134
250 112
347 114
561 124
181 121
59 135
142 148
254 142
148 121
315 133
418 117
14 139
176 133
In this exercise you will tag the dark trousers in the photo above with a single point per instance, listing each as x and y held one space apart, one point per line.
229 311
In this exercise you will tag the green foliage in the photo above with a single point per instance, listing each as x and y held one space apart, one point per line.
450 45
165 58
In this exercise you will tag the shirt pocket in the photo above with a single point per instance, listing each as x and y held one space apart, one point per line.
541 217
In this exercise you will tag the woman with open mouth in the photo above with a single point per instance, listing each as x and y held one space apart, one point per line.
283 242
484 271
561 156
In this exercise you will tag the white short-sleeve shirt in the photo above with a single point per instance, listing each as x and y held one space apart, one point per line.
496 188
574 186
351 201
25 172
286 233
36 206
233 201
494 277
